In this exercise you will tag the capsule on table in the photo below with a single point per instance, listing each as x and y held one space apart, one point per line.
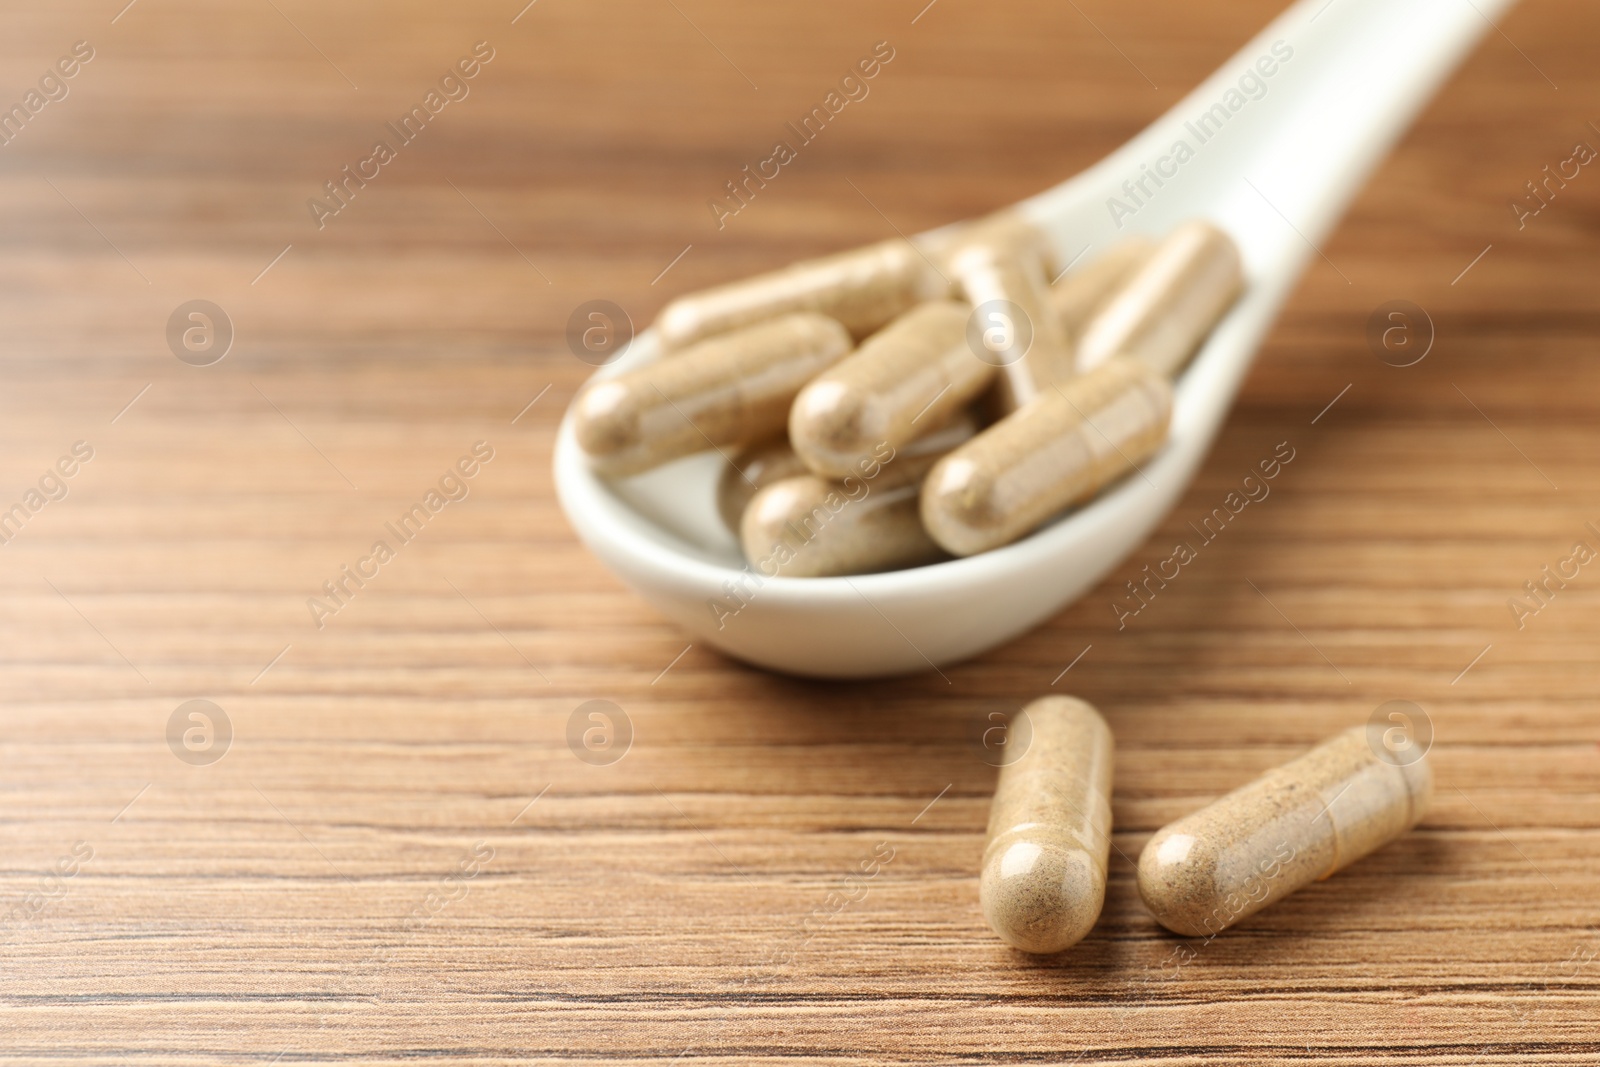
911 377
862 289
1080 293
1163 312
811 527
1293 825
1014 326
1058 450
752 469
1044 867
730 389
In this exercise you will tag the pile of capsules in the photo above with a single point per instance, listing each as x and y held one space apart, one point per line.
1044 865
885 407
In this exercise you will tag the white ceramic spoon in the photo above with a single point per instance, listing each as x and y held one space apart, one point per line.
1276 176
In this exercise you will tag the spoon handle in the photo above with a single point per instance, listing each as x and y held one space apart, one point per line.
1281 137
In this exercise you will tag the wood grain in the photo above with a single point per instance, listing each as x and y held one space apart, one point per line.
327 891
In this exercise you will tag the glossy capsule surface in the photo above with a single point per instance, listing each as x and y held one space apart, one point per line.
728 390
862 289
1162 312
907 379
1043 878
813 527
1014 326
752 469
1293 825
1056 451
1077 295
1007 230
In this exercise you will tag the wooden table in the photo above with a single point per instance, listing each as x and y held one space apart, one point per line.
400 858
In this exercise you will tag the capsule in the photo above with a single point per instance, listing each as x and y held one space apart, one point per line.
811 527
1044 866
730 389
752 469
1014 326
1082 292
1295 824
1006 229
1167 307
911 377
863 290
1058 450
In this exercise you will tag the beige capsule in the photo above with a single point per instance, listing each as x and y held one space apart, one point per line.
1014 326
1078 294
862 289
1043 879
1296 823
1007 230
812 527
909 378
752 469
1166 308
1058 450
728 390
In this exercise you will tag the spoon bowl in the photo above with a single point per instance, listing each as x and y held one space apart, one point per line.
1274 145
